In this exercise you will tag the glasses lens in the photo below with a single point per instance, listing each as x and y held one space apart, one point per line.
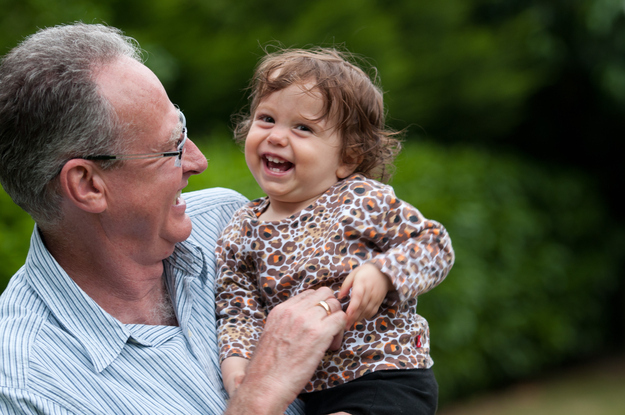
181 148
184 139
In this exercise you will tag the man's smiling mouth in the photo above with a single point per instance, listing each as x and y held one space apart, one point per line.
178 200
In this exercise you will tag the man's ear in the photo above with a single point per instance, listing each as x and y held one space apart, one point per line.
82 185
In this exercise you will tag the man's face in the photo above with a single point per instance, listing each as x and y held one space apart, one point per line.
145 214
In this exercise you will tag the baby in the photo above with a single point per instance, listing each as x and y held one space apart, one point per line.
315 140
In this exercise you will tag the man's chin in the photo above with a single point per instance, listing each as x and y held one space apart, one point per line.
178 232
183 230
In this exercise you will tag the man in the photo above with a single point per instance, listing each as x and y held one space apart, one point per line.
113 310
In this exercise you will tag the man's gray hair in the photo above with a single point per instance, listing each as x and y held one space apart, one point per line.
51 110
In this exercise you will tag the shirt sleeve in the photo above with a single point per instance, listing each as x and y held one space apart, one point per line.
20 401
239 305
415 253
296 408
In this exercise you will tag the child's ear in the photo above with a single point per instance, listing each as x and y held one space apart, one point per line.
348 166
345 170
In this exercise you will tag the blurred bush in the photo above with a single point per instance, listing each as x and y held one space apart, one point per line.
536 260
537 255
16 227
537 265
478 62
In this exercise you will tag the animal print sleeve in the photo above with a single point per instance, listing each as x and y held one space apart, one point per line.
239 309
416 252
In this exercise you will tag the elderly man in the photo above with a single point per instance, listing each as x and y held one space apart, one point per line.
113 311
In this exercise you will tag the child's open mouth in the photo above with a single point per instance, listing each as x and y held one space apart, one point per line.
277 164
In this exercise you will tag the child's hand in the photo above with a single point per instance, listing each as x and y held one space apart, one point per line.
233 372
369 288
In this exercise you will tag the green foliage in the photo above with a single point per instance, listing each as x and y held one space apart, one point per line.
534 260
20 18
536 265
15 230
435 61
536 255
226 168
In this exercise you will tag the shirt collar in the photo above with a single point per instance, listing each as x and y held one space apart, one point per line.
102 335
187 258
185 265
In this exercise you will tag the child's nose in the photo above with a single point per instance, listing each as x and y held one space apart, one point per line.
278 137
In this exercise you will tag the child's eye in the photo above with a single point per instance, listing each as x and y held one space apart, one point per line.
266 118
303 128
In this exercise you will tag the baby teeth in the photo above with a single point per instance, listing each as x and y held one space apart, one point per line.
274 160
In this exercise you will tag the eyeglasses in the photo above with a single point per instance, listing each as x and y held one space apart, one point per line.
177 153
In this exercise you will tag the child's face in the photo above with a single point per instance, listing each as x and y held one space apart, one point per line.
293 159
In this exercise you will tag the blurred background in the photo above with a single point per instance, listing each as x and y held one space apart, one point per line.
514 113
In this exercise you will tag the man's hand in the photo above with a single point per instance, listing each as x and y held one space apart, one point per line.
369 288
296 336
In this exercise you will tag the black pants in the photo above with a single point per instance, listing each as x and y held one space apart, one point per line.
385 392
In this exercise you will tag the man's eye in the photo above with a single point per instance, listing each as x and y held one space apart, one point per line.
180 140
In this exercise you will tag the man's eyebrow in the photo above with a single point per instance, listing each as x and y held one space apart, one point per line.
177 132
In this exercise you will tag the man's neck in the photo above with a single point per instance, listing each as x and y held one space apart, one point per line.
132 293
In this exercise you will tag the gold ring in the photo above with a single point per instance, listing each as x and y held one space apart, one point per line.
325 306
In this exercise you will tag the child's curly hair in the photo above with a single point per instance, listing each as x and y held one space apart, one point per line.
350 96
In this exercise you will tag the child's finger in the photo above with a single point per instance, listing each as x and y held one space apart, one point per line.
347 284
357 304
371 310
336 342
352 312
371 301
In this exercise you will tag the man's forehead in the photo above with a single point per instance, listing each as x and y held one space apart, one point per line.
129 85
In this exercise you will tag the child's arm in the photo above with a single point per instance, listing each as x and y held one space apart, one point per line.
233 372
238 305
416 254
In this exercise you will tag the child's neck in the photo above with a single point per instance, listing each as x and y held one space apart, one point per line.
278 210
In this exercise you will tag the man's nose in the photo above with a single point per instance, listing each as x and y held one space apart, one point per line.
193 161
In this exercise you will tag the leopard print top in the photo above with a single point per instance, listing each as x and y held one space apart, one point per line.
358 220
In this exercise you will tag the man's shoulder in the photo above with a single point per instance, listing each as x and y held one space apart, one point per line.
22 315
204 200
210 211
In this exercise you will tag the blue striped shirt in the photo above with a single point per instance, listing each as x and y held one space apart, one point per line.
63 354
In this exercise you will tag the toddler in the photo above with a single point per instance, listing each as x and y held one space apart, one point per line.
315 140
